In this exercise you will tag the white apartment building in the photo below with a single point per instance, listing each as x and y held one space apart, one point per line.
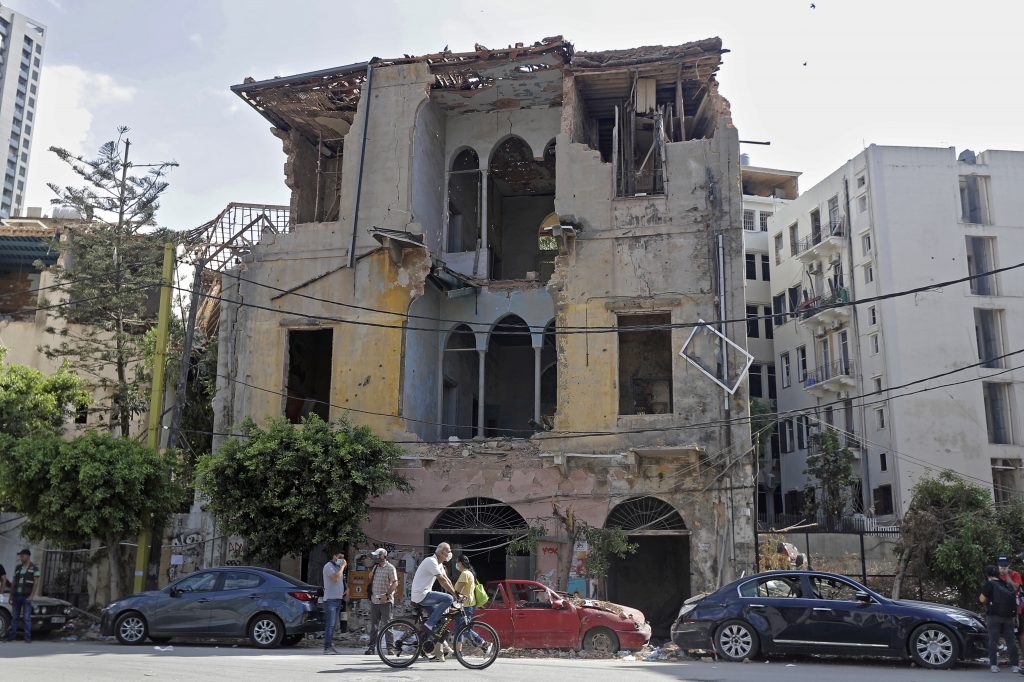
765 191
21 55
889 220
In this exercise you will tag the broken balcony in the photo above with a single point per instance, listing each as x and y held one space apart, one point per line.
822 243
832 378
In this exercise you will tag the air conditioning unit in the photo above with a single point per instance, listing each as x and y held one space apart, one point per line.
814 268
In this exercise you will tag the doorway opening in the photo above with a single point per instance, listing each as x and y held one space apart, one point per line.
481 527
461 377
309 374
656 578
509 402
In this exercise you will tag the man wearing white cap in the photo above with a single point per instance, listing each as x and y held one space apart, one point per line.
383 583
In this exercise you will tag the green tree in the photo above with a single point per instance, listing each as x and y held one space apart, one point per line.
951 530
32 402
287 488
112 274
829 472
94 486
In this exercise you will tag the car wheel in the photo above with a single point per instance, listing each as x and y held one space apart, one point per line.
266 631
292 640
735 640
159 640
131 628
601 640
934 646
5 622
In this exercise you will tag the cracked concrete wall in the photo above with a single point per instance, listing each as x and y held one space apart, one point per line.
387 185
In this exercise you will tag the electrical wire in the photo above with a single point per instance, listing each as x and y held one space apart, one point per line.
564 329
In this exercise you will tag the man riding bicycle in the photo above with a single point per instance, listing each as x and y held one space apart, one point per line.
429 570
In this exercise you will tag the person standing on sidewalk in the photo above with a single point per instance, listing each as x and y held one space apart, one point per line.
383 583
999 597
334 592
24 588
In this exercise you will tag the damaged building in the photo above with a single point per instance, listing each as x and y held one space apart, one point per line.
502 259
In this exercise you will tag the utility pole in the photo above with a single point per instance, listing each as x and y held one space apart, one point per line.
156 396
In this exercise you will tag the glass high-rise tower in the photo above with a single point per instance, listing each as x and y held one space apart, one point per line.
21 56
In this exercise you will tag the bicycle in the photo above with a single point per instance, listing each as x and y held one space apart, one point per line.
475 643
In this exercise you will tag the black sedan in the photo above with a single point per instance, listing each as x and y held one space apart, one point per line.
267 607
824 613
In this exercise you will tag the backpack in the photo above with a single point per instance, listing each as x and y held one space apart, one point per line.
479 595
1004 599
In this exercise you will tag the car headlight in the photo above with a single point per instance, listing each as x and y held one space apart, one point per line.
687 608
970 621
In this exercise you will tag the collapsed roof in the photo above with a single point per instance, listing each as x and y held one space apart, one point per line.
322 104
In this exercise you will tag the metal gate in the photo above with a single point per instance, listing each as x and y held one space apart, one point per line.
65 576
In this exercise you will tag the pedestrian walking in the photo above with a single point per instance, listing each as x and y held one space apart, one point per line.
334 592
465 586
383 583
24 588
999 597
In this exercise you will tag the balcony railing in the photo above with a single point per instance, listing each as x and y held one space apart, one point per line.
832 229
814 305
839 368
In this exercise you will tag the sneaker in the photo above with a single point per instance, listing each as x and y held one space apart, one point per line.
369 651
1015 670
994 668
331 651
486 648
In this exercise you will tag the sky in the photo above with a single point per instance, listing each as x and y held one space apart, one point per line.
819 83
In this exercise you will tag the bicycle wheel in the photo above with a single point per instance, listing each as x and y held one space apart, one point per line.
405 643
476 645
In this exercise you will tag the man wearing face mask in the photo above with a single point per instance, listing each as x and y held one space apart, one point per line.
383 583
334 592
431 569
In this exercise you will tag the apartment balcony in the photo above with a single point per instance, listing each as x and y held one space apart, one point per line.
825 310
846 440
836 377
823 243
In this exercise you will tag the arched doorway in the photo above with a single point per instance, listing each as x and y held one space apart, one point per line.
509 396
656 578
460 392
481 528
521 192
464 203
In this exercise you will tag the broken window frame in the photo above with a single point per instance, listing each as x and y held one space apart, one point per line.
318 402
704 327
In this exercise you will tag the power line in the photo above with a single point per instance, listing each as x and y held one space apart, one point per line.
572 329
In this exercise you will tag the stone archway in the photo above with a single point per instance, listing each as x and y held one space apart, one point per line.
481 527
655 579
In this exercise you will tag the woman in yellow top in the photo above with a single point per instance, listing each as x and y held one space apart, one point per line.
464 587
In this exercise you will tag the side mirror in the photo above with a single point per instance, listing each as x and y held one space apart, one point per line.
174 593
863 597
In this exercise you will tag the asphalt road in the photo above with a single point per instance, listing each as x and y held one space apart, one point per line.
50 661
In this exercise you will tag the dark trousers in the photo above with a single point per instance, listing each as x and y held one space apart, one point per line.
1001 626
380 614
21 611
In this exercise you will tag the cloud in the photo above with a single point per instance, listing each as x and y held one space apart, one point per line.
68 98
196 39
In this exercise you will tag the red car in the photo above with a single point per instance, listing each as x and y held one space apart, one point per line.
528 615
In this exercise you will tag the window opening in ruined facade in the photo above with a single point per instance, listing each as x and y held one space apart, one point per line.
748 220
547 247
764 216
521 194
974 199
460 384
509 379
988 328
645 364
1006 480
309 374
464 203
981 257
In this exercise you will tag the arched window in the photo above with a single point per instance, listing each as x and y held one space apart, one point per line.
479 513
464 202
